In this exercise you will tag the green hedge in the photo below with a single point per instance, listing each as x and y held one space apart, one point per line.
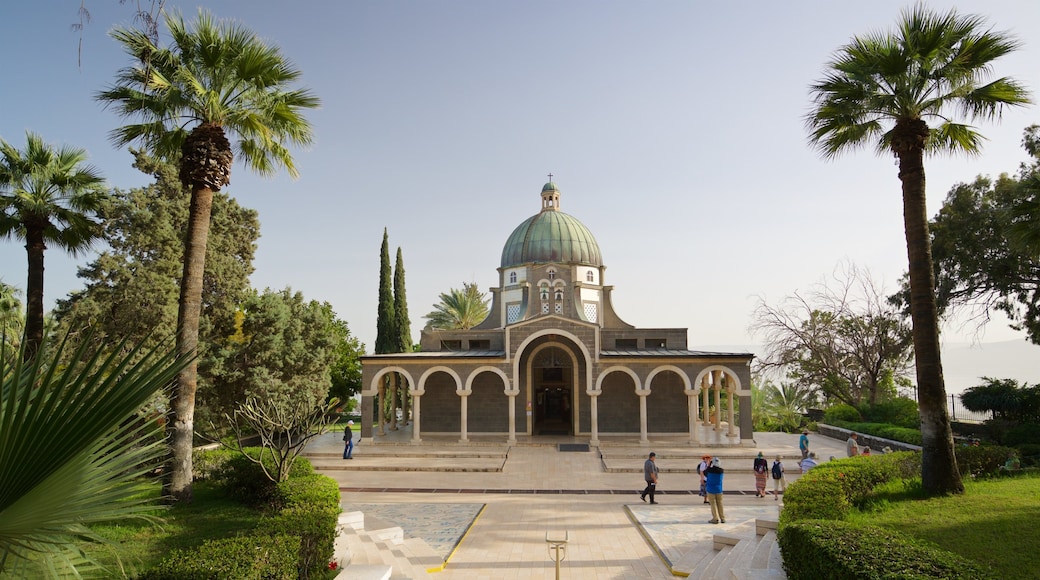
883 430
835 550
243 478
981 461
262 557
309 506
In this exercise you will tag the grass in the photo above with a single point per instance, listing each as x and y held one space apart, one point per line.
142 545
993 523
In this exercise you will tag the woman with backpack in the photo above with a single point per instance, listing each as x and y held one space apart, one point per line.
761 468
779 483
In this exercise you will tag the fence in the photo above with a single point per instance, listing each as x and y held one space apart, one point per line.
963 415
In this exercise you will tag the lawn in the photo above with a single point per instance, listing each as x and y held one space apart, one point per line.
994 522
142 545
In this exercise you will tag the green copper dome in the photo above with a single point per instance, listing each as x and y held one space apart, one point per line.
551 236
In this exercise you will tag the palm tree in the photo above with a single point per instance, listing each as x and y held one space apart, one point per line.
215 80
459 309
47 196
73 450
882 89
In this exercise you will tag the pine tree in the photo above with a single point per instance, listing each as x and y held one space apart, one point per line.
386 327
404 325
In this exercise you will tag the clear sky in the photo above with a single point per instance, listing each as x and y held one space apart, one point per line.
673 130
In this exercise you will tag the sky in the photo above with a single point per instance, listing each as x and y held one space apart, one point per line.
673 129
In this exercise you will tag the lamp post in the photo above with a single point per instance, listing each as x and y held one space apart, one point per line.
557 548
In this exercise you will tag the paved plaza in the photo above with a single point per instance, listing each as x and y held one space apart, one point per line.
487 507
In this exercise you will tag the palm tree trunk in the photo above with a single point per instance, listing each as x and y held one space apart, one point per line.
180 429
34 248
939 472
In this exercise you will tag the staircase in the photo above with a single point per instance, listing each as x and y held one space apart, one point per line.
744 554
367 549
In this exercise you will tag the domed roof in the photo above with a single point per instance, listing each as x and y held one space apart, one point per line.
551 236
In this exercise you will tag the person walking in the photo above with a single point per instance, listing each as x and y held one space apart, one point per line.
701 468
779 482
852 445
348 441
803 443
650 475
714 488
761 468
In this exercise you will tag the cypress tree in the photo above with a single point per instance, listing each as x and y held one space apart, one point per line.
386 327
404 325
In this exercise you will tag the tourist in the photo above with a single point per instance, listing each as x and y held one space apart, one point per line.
852 445
808 463
779 482
866 451
348 441
714 487
650 475
701 468
761 468
803 443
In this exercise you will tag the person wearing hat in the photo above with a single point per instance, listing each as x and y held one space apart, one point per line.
650 475
761 468
348 441
803 443
701 468
714 488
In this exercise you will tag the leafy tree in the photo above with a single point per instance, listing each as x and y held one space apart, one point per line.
387 334
1005 398
881 90
845 343
47 196
287 348
346 367
216 79
980 263
459 309
73 450
131 287
10 315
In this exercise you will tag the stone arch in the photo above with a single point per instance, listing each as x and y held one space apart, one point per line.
735 387
616 400
618 369
687 386
483 369
373 387
440 368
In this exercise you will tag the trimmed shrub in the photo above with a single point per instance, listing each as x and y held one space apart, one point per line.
309 506
209 464
832 550
816 495
884 430
266 557
841 412
981 461
899 411
245 479
1022 433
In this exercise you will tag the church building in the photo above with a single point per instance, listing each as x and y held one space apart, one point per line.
554 358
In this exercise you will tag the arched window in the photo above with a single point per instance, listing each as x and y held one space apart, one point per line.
552 273
545 293
512 277
559 294
589 276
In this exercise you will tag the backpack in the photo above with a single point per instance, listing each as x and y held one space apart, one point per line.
778 470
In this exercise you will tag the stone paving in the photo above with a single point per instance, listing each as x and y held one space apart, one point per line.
491 513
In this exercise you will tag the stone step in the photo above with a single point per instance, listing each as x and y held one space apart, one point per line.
365 572
709 567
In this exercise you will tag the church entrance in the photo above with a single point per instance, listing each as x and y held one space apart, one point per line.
552 391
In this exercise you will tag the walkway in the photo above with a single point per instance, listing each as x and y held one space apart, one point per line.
519 494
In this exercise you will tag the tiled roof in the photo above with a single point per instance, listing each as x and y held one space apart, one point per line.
668 352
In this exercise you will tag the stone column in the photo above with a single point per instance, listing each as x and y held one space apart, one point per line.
465 417
416 438
642 419
512 415
594 415
695 427
732 412
393 402
717 387
705 393
382 405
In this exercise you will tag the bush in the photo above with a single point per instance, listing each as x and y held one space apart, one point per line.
883 430
900 411
834 550
981 461
209 464
1030 454
1022 433
267 557
309 506
841 413
243 478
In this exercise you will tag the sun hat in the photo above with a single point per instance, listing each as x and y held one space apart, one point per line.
715 462
350 422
